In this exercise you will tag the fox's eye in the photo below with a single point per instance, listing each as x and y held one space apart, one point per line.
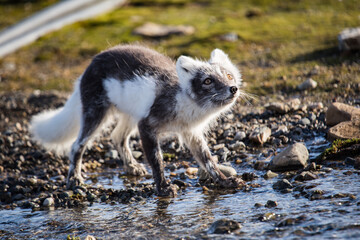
229 76
207 81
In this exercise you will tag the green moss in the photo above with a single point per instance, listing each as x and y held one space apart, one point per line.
336 146
285 41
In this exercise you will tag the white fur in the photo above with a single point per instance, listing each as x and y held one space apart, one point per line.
133 97
185 68
57 129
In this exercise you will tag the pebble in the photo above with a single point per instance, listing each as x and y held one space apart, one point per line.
260 135
237 146
224 226
270 174
218 146
307 84
271 204
239 135
192 171
48 202
305 121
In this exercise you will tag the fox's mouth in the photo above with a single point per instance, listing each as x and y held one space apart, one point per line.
225 101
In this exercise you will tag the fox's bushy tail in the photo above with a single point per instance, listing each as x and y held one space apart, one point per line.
57 129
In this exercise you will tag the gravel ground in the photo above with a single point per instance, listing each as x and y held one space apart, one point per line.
34 178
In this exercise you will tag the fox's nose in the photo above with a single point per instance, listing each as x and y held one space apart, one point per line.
233 89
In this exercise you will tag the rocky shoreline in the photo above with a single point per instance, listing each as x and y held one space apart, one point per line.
248 137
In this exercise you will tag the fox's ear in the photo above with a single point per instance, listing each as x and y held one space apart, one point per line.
218 56
186 65
186 68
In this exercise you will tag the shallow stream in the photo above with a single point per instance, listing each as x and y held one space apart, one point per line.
190 215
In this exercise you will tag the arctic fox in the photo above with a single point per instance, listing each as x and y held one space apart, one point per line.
149 92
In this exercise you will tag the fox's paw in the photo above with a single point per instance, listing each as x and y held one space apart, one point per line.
232 182
136 169
73 182
168 191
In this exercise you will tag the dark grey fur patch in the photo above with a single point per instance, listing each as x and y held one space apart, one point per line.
216 93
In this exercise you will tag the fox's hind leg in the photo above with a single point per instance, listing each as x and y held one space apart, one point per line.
92 118
121 136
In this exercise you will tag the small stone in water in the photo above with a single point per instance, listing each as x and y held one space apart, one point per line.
270 174
224 226
48 202
271 204
282 184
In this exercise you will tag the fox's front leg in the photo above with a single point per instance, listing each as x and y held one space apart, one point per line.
151 146
198 147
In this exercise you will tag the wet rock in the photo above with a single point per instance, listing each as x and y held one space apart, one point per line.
260 165
155 30
90 197
271 204
282 185
349 39
249 176
311 167
293 157
345 130
224 226
291 221
270 174
306 176
228 171
48 202
260 135
307 84
258 205
341 112
239 135
179 183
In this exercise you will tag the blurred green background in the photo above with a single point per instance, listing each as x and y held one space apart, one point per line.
276 44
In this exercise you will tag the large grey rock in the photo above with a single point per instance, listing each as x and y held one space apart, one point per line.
349 39
345 130
293 157
157 30
341 112
260 134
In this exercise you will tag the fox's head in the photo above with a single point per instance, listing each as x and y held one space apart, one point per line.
210 84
